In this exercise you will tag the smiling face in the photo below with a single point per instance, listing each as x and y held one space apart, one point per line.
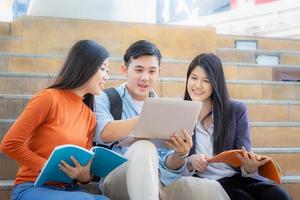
199 86
141 74
97 82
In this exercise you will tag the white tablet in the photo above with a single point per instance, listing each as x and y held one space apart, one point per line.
161 117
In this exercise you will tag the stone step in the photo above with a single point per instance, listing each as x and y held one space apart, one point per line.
10 43
6 187
258 110
24 83
287 158
4 28
275 134
192 39
30 63
241 89
61 33
34 29
46 63
12 105
273 110
290 183
30 83
249 56
263 134
248 71
5 124
264 43
8 167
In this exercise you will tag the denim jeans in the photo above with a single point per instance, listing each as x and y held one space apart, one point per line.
26 191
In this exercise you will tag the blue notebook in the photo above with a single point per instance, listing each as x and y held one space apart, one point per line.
104 161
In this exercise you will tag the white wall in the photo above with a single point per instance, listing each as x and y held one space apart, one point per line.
113 10
6 11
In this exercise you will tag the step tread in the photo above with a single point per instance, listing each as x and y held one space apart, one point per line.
252 124
259 51
10 37
284 179
275 124
164 60
7 184
247 101
235 36
270 150
239 64
166 79
291 179
279 150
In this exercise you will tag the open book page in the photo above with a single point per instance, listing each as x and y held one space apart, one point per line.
51 171
229 157
268 170
105 161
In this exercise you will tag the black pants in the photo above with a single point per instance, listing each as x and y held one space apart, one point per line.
246 188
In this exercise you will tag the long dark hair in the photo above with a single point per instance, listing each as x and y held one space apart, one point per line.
82 62
213 68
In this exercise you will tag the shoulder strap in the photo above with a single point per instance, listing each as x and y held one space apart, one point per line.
116 105
116 108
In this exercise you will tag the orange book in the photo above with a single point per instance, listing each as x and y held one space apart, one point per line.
268 170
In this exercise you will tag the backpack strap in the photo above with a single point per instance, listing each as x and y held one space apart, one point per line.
116 108
116 105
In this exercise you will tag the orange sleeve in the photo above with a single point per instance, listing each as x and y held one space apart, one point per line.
14 145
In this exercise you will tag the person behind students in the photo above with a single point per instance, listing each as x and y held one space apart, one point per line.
60 114
223 125
144 176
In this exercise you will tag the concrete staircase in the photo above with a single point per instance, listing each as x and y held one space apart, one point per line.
32 49
274 106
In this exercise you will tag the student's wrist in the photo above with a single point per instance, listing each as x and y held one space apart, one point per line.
246 173
84 182
182 156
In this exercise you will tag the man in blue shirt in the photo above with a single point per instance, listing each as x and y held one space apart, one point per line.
145 175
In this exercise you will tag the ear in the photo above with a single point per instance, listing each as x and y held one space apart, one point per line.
158 73
124 69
